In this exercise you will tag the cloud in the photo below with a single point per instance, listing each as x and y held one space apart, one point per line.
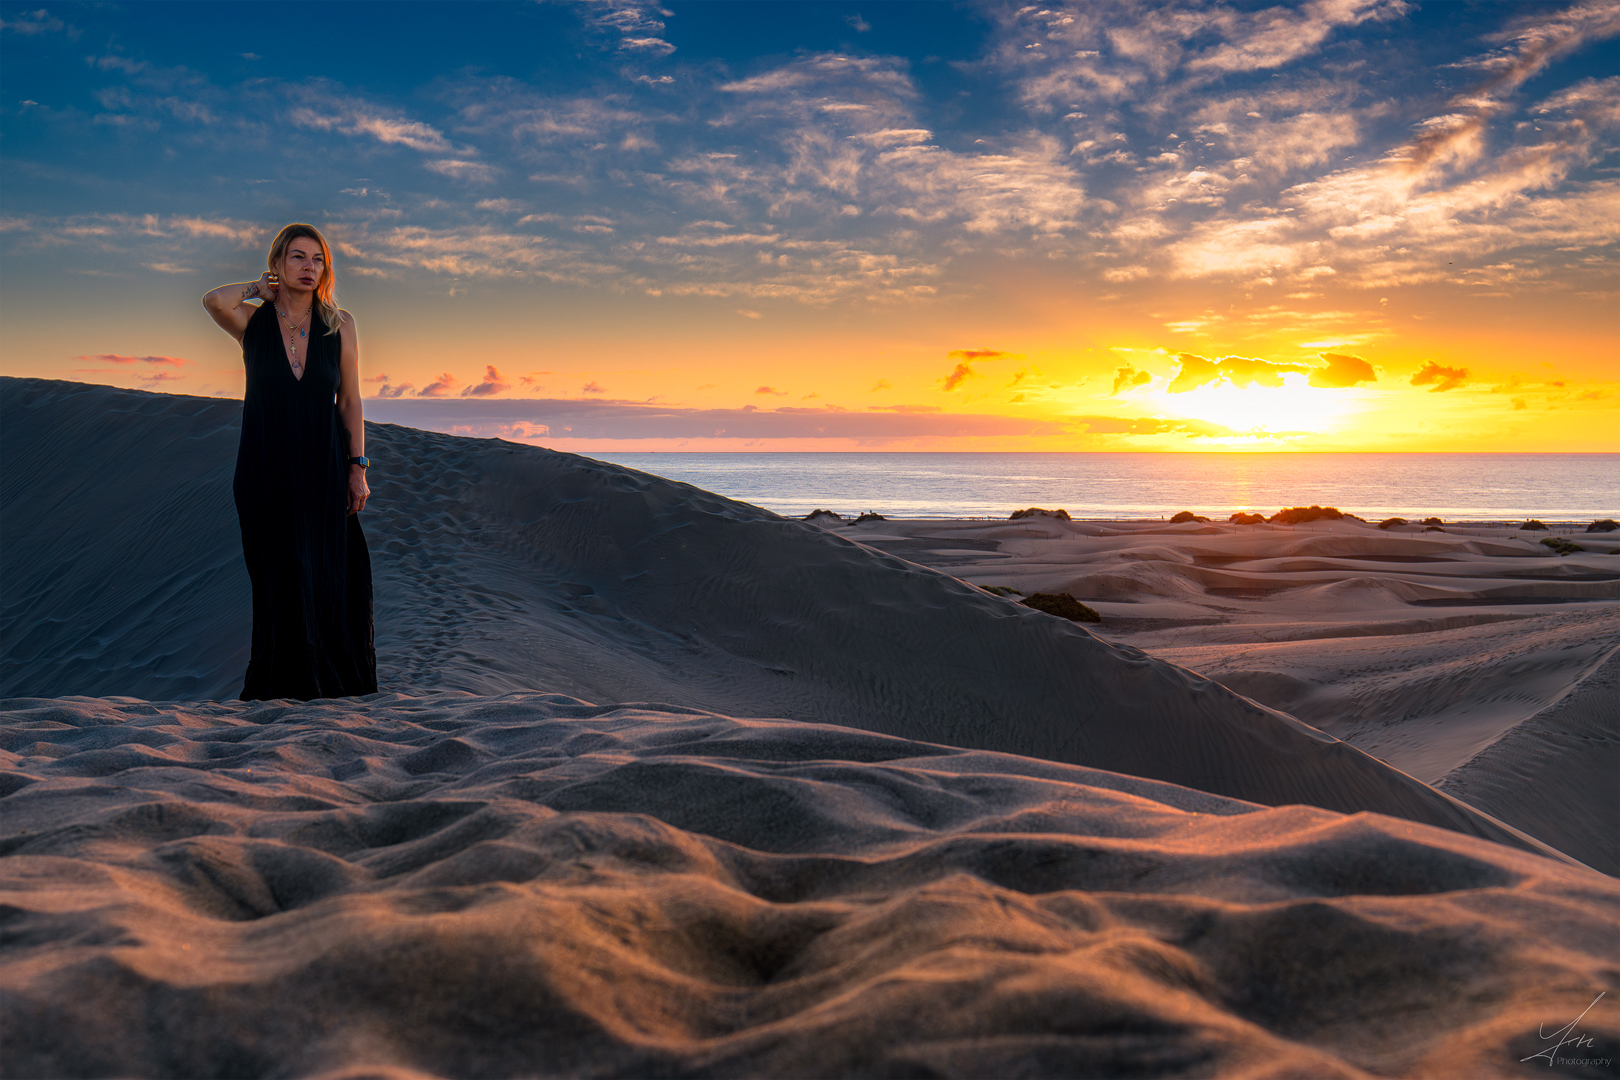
977 354
387 391
1443 378
881 384
1195 371
593 387
1271 37
858 24
613 420
30 23
1129 378
1342 371
458 169
116 358
441 386
771 390
352 116
1338 372
636 23
493 384
958 374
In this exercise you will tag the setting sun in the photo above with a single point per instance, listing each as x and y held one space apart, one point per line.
1293 407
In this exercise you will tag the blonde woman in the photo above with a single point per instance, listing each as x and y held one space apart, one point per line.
301 476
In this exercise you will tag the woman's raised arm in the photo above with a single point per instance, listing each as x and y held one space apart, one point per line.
228 305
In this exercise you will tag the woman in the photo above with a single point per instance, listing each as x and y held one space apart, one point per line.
301 476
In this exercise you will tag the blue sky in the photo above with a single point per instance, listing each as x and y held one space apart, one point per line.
716 205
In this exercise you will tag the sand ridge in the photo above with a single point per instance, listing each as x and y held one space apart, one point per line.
443 884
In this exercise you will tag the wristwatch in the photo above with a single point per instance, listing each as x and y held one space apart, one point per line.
363 462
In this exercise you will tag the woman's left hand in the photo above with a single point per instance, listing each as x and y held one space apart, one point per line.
358 491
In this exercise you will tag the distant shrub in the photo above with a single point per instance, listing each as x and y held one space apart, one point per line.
1035 511
1433 521
869 516
1063 606
1390 523
1299 515
1561 546
1532 526
1001 590
1186 516
818 515
1605 525
1433 528
1240 518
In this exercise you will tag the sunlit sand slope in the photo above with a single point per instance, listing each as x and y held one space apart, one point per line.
503 567
447 885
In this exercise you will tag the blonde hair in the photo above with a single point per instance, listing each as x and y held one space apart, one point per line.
325 289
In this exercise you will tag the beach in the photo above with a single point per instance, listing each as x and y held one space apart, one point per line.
661 783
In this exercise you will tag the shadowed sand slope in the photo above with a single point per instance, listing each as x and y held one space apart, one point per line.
503 567
440 884
1554 774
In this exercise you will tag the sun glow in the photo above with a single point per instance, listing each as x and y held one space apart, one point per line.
1294 406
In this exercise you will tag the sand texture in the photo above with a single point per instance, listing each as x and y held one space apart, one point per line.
527 885
970 839
501 567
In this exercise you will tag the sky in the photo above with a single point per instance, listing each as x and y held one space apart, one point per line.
1338 225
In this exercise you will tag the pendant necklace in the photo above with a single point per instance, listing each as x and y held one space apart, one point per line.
292 342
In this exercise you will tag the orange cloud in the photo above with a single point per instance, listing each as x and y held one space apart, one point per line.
1444 378
493 384
441 386
1128 378
1195 372
1342 371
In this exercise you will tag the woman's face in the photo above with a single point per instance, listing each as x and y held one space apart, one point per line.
302 266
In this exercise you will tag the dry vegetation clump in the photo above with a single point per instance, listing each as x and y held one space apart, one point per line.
1063 606
1603 525
1000 590
1560 546
1390 523
819 515
1299 515
1186 516
1035 511
1432 521
1532 526
1240 518
869 516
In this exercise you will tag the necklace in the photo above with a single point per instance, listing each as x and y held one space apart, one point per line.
292 341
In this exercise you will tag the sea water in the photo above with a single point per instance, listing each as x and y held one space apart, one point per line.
1455 487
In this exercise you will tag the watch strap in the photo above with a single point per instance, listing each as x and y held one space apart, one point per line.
363 462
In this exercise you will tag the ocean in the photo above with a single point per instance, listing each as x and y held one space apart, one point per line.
1455 487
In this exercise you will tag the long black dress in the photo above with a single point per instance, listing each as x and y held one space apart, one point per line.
311 571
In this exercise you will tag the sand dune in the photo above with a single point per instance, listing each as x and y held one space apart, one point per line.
439 884
501 567
974 840
1444 654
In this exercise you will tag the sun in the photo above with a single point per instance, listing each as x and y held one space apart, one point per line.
1294 406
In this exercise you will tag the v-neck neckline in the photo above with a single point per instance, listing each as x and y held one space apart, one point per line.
297 378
